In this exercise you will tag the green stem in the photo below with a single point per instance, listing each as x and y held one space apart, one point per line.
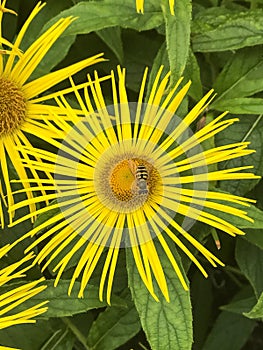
248 134
52 342
252 128
76 332
142 346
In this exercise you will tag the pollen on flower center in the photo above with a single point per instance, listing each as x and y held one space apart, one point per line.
132 178
122 181
124 184
12 107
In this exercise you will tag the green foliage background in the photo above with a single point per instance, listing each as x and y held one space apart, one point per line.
217 44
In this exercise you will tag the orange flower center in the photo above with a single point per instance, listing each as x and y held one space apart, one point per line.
133 178
121 181
125 183
12 107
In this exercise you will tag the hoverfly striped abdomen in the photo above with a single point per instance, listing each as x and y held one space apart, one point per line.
141 176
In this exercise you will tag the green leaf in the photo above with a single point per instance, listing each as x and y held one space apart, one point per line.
112 38
242 302
52 58
178 36
161 59
252 212
249 128
136 57
44 334
29 336
257 310
47 215
255 237
243 105
83 321
115 326
50 10
229 30
192 72
240 306
93 16
202 302
250 262
61 304
166 325
241 76
229 332
62 336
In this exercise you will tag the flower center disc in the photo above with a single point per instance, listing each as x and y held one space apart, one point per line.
126 184
132 181
122 180
12 107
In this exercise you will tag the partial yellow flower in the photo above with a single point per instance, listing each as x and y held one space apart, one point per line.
128 175
16 295
22 109
140 6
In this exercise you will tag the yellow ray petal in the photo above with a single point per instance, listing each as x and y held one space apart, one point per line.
10 61
36 87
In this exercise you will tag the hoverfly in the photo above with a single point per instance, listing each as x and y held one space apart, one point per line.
141 175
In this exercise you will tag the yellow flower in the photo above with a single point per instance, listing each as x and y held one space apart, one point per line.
140 6
16 295
22 111
130 174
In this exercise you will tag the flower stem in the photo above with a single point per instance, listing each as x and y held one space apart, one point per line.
76 332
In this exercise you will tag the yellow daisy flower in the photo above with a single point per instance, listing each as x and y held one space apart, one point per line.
140 6
130 174
22 111
17 295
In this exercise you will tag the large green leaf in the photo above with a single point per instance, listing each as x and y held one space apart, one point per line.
161 59
242 105
202 300
241 76
240 306
257 310
192 72
232 323
178 36
220 29
255 237
115 326
136 58
30 336
250 260
252 212
93 16
112 38
249 128
242 302
166 325
61 304
229 332
52 334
